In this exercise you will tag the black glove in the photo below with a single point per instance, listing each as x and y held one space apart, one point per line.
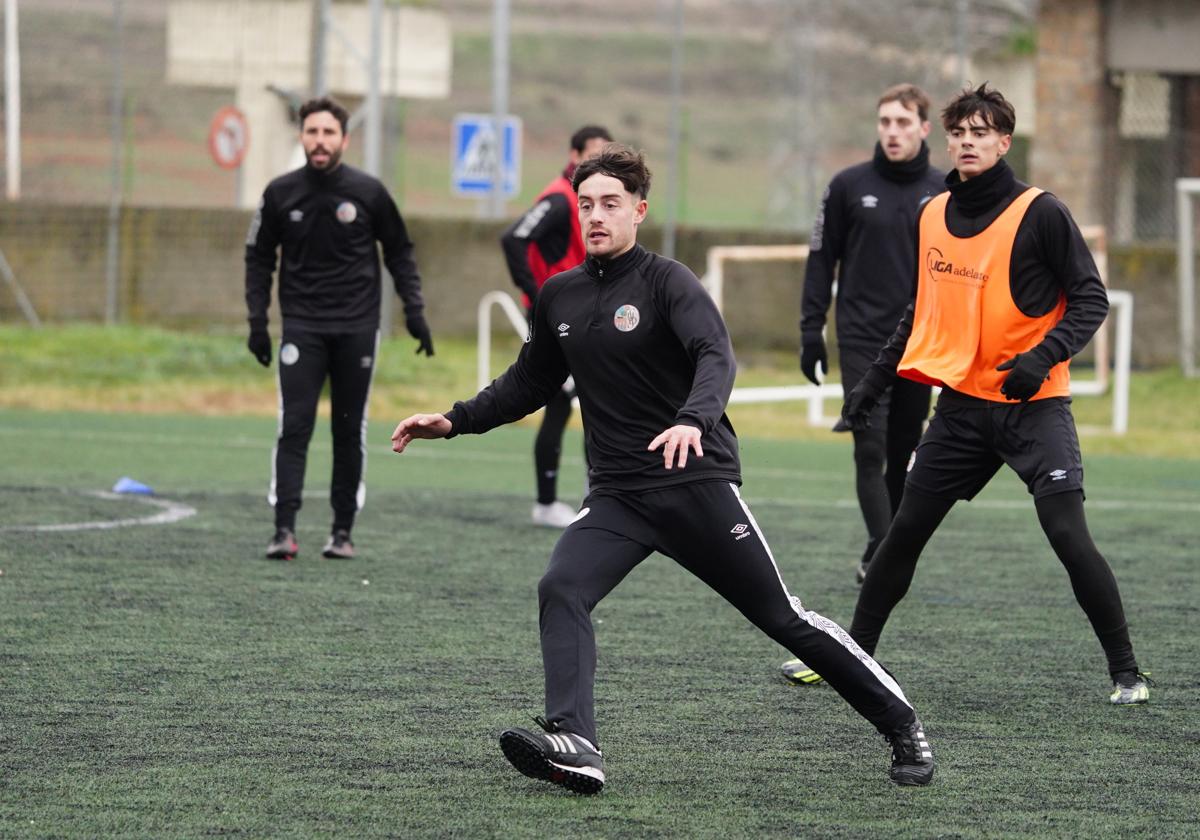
1027 373
419 330
856 410
259 343
812 353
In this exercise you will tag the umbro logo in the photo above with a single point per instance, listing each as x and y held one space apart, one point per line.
870 201
296 215
1058 475
740 531
563 329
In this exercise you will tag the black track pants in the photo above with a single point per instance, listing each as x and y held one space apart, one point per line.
881 452
1062 519
305 360
707 529
547 446
907 411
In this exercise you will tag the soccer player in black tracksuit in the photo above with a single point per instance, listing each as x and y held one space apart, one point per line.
654 369
1005 395
325 218
865 231
542 243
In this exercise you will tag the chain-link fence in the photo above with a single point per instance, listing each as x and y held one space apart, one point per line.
778 95
1157 141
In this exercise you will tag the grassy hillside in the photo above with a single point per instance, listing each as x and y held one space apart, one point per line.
777 96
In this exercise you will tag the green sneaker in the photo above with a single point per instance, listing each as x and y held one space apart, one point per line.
797 673
1130 688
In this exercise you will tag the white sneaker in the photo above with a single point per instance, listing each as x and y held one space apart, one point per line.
553 515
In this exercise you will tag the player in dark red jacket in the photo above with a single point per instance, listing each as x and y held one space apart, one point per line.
542 243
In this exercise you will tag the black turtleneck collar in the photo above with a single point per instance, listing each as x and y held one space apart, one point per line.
611 269
977 195
904 172
324 176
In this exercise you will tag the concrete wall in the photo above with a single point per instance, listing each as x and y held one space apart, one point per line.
183 267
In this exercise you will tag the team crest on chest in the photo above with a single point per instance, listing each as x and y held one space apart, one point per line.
627 317
347 212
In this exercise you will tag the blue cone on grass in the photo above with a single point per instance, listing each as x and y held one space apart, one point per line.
125 484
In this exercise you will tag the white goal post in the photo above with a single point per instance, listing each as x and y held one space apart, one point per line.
1185 189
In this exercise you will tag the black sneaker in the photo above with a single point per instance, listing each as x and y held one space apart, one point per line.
555 756
338 546
912 757
283 545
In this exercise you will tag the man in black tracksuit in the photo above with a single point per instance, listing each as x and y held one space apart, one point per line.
1005 397
325 218
654 370
864 231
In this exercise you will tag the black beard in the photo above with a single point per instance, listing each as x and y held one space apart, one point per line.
334 159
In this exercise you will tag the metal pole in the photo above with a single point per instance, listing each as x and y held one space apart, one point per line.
374 132
12 102
668 243
318 75
500 26
19 293
373 140
113 260
962 10
1186 259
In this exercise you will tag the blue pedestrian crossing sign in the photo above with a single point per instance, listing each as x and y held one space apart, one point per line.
474 151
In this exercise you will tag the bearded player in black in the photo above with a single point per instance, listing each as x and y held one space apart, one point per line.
325 218
654 369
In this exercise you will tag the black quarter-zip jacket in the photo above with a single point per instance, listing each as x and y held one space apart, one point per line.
648 350
326 225
863 232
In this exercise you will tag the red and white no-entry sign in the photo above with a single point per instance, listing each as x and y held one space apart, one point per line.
228 137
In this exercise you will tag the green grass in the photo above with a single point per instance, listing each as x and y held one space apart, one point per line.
142 369
164 681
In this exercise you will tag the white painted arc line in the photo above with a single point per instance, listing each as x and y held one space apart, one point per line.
169 513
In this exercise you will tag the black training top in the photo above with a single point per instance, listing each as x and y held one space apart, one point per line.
327 225
1049 258
864 228
648 351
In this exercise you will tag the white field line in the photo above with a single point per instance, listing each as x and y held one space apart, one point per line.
457 450
169 512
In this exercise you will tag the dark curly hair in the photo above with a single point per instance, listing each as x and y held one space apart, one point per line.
325 103
995 111
622 162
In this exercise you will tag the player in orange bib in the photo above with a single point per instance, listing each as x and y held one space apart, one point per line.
1007 293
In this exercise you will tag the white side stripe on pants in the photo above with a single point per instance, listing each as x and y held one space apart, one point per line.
819 621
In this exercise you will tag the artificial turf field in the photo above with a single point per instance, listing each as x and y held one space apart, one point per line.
165 681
